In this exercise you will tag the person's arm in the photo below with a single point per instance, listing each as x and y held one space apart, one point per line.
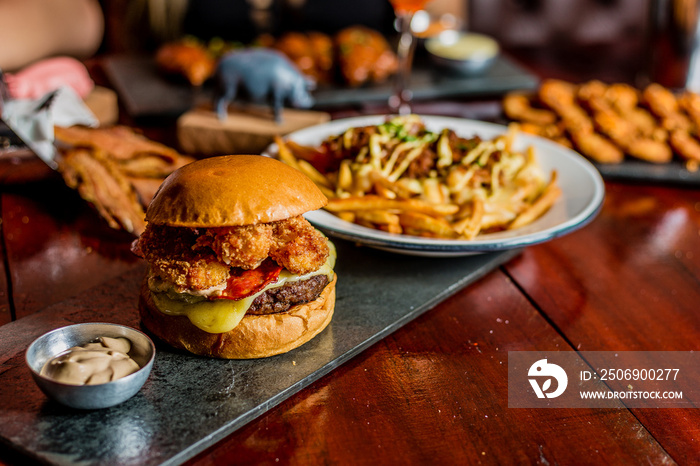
34 29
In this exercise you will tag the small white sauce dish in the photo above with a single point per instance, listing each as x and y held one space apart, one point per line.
467 53
99 396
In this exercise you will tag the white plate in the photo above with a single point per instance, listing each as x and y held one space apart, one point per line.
582 194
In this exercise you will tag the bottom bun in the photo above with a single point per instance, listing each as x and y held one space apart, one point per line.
256 336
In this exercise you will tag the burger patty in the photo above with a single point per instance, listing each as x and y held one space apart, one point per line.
282 298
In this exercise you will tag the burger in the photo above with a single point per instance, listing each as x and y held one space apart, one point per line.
234 269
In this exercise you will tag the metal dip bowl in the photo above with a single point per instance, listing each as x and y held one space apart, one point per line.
465 53
104 395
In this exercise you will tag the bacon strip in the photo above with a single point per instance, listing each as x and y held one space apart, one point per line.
243 283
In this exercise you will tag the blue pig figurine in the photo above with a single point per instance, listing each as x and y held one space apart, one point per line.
265 74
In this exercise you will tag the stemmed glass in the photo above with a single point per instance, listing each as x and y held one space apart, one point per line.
400 100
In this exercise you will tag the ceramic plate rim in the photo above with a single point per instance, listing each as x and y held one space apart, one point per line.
563 159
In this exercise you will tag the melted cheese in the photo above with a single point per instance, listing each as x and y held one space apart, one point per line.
222 315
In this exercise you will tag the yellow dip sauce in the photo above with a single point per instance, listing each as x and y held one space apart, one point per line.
453 45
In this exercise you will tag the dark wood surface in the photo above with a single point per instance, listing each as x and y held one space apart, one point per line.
434 391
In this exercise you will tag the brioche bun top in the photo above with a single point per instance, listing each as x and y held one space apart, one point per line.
233 190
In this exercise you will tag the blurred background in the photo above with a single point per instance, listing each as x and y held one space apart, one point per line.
566 33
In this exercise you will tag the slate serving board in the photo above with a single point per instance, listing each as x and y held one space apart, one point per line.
189 403
672 173
146 93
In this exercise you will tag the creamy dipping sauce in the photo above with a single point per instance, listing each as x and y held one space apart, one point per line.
103 361
457 46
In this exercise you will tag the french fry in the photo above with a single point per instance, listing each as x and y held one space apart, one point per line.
374 202
432 190
381 217
469 227
361 180
395 229
550 194
347 216
307 169
384 191
403 188
285 154
420 222
327 192
458 178
302 152
344 176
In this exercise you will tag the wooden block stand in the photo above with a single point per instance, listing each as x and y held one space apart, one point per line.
103 104
247 130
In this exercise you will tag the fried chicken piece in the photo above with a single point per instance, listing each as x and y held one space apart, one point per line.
664 105
606 121
311 52
554 131
690 102
364 56
199 274
560 96
298 246
616 116
557 94
660 100
618 101
172 258
576 120
677 121
202 258
296 46
187 59
245 246
625 135
116 170
518 106
616 128
597 147
644 123
649 150
100 183
293 243
592 91
596 104
618 96
685 145
323 53
622 96
136 154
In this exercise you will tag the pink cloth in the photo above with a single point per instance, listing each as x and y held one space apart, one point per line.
47 75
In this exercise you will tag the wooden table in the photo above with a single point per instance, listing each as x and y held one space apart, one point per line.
435 391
